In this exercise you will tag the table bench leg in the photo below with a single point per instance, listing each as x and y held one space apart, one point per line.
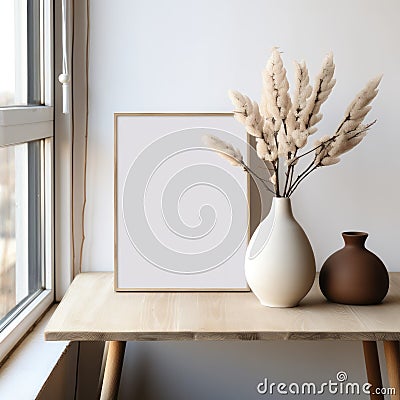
371 358
112 371
392 355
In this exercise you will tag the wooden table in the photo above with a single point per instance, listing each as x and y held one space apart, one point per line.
91 310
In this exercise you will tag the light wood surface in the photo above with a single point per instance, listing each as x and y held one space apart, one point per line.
392 355
103 367
372 366
91 310
113 368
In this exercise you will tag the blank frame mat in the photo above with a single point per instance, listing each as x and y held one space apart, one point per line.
181 211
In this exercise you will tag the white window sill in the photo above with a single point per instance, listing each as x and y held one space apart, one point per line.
23 375
21 324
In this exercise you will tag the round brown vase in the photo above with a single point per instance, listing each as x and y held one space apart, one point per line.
354 275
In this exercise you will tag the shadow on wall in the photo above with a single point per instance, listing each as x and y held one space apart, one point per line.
137 373
61 382
208 370
232 370
66 382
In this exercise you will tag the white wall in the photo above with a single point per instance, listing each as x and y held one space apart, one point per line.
181 55
185 55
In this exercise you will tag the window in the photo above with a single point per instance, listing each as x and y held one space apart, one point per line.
26 146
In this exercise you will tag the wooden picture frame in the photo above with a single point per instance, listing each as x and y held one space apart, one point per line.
144 145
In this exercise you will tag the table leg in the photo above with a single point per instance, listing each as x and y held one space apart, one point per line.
392 355
113 369
102 368
373 369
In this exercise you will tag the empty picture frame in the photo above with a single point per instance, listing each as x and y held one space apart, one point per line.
181 211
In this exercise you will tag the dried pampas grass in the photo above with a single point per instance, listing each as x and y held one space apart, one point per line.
282 124
224 149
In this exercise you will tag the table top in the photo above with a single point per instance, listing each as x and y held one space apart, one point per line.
91 310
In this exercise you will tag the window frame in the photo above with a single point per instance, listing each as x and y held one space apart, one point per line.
23 124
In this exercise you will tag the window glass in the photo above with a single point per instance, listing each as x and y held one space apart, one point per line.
26 217
13 52
20 224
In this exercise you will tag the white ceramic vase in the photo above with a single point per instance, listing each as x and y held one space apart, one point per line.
280 263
